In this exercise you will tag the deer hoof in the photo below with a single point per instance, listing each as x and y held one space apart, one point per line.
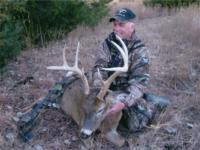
115 138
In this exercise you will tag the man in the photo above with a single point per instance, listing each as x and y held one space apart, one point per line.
136 112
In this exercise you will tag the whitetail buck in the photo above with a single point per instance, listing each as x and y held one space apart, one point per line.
88 105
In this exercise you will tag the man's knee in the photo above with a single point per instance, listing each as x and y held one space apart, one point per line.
136 117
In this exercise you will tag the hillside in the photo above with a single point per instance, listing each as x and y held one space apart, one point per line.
174 73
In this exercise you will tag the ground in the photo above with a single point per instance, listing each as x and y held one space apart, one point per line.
26 79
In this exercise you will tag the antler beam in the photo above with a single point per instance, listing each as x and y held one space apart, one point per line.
106 84
74 69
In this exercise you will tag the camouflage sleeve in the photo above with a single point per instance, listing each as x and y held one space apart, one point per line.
103 58
138 75
135 94
139 66
103 55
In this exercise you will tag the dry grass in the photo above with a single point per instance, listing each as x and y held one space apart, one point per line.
140 10
175 73
186 25
175 68
181 36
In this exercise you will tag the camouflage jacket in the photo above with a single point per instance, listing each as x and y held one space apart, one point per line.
138 72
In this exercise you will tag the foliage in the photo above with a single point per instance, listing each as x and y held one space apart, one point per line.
10 36
170 3
37 22
45 20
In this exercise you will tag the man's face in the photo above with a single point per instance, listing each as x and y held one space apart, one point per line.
123 29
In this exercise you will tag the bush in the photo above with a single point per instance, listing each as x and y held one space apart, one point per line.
37 22
46 20
10 37
170 3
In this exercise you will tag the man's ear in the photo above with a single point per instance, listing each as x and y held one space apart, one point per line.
132 25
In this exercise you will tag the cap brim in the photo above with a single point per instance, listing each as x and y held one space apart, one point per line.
119 19
112 19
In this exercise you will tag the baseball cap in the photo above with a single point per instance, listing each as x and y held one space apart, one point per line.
123 15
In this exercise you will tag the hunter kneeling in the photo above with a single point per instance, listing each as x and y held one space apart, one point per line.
128 87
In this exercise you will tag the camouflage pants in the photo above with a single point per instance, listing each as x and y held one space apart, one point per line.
137 117
138 112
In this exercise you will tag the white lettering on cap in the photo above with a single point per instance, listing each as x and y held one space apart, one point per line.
122 12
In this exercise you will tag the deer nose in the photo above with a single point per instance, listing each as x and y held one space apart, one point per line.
85 133
84 136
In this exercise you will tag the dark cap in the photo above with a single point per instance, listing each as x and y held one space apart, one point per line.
123 15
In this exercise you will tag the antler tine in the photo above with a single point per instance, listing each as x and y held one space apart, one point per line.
100 76
74 69
124 46
107 83
65 64
76 59
124 53
64 58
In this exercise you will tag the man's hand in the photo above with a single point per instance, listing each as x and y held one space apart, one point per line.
115 109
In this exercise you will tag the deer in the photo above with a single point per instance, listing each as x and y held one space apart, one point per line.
86 105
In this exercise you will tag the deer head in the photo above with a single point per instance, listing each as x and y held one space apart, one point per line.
89 107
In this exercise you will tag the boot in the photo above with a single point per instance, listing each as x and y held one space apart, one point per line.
160 102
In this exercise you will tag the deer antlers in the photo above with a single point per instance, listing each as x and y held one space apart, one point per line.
74 69
106 84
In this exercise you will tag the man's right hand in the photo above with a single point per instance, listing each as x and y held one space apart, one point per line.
115 109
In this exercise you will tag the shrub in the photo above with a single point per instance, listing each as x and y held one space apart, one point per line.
170 3
46 20
37 22
10 37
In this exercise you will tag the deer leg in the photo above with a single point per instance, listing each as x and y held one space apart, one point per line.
87 144
109 129
51 100
114 137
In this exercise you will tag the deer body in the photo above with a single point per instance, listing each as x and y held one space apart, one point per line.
72 100
90 113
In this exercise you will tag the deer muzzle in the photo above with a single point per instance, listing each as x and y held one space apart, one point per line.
85 133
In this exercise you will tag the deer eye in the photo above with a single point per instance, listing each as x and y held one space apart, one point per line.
99 112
